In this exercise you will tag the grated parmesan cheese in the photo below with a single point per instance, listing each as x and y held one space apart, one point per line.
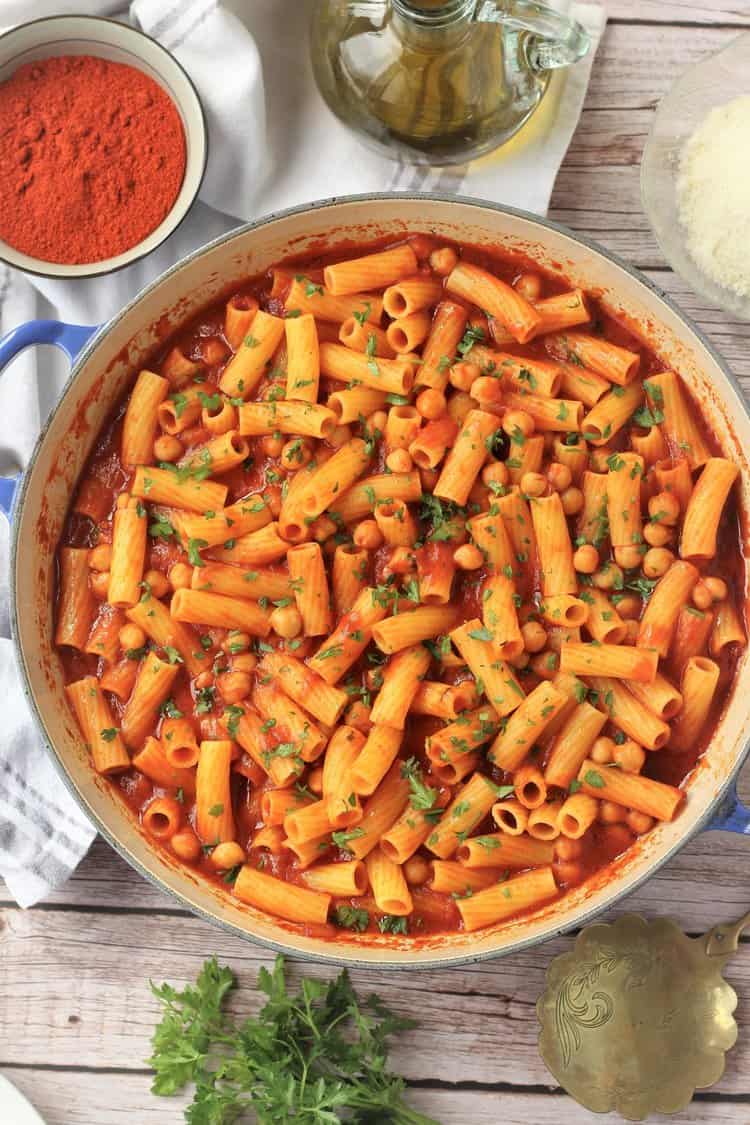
713 195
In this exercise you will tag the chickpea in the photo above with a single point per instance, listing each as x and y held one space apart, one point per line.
495 473
99 583
377 422
295 454
322 528
244 662
529 285
609 577
422 245
566 849
657 534
286 621
572 501
664 508
629 607
717 587
559 476
431 404
130 637
602 752
702 598
235 642
545 664
632 629
340 436
168 448
226 855
518 420
157 583
639 822
315 781
180 576
368 535
204 680
100 557
234 686
468 557
657 562
443 260
534 636
459 406
586 558
628 557
358 715
272 445
630 757
521 661
428 478
487 391
463 375
598 460
416 870
533 484
399 461
212 351
611 813
185 845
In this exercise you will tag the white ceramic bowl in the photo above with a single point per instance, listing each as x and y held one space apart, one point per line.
107 39
104 371
705 85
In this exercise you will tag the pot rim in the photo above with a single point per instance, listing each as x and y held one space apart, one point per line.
588 914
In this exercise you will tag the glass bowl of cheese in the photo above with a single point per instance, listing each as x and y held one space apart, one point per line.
695 177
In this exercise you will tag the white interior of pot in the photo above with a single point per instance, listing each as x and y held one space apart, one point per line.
103 378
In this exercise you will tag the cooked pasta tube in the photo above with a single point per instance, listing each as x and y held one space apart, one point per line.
305 297
342 880
392 376
310 851
371 271
500 300
491 537
162 817
310 822
178 368
283 900
214 819
660 696
564 310
629 714
348 404
510 816
408 332
564 611
450 877
699 680
247 366
617 364
496 903
199 607
622 662
401 679
444 701
529 785
304 418
669 595
439 350
324 702
289 722
365 494
234 582
321 489
381 811
396 524
728 628
554 548
76 605
611 413
500 850
303 358
278 758
464 461
650 445
239 314
690 636
100 734
593 523
411 628
560 415
310 584
128 555
525 725
275 804
544 821
179 412
255 549
624 500
365 337
140 422
643 794
348 576
436 567
493 676
701 523
388 885
104 640
376 758
522 373
179 743
402 426
152 762
430 445
572 744
411 295
341 800
222 453
500 616
460 738
214 528
349 639
678 420
152 687
271 839
159 625
603 623
168 486
579 382
527 458
577 815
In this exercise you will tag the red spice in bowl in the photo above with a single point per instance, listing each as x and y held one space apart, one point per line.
92 158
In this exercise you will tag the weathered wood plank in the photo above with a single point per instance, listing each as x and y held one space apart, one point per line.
679 11
85 1098
74 989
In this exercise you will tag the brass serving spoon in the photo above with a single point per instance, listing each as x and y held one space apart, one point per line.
638 1015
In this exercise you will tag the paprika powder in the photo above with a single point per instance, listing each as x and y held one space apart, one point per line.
92 158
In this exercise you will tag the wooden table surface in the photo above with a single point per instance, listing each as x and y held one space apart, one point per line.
75 1010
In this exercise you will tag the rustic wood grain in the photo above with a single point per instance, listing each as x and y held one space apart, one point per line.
75 1011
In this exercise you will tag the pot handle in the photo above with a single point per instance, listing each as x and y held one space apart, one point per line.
732 815
71 338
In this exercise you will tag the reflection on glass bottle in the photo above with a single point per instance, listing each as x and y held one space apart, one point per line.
440 81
